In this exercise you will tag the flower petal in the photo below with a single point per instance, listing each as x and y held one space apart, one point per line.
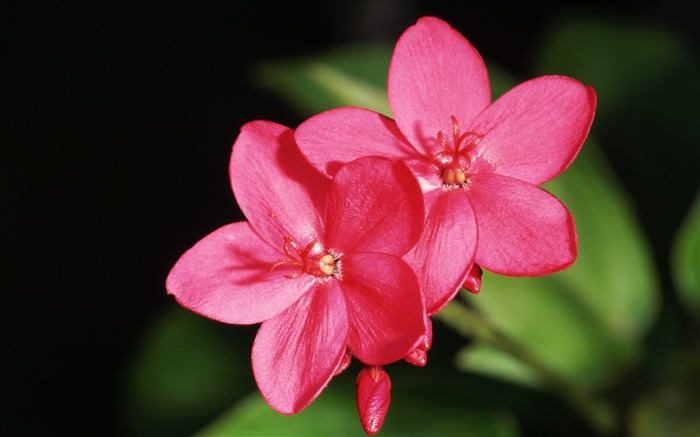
523 229
444 254
277 190
226 276
296 353
333 138
435 73
374 204
384 306
534 131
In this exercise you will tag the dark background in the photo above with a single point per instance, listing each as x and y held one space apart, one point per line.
117 131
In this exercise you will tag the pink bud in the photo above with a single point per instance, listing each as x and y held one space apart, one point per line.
428 338
373 388
418 358
344 362
473 282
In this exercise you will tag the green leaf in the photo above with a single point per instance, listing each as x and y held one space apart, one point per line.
334 413
686 260
585 323
486 360
185 371
614 276
672 409
342 77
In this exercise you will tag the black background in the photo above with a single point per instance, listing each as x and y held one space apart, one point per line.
117 131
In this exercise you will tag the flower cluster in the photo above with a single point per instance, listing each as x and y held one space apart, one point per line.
361 227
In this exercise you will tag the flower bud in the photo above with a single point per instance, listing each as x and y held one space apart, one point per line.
373 395
473 282
344 362
428 338
419 356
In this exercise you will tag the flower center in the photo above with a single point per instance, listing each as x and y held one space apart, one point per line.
453 159
311 259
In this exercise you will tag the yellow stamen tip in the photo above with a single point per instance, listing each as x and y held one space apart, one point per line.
326 264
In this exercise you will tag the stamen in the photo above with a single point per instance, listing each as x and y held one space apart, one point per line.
454 176
455 128
454 160
325 265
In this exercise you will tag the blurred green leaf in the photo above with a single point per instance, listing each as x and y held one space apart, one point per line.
661 415
185 369
672 409
486 360
334 413
614 276
686 260
342 77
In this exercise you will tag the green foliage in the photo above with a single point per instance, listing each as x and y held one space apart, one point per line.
672 409
346 76
686 260
185 369
334 413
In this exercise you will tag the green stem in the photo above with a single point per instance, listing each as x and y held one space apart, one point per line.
469 323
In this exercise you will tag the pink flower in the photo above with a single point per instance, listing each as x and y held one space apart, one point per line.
318 263
479 163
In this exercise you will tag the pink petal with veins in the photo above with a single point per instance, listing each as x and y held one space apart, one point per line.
277 190
435 73
535 130
296 354
374 205
445 251
226 276
338 136
523 229
384 306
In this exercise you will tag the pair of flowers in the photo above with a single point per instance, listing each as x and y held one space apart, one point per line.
361 227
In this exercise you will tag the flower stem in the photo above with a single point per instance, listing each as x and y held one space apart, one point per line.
470 323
